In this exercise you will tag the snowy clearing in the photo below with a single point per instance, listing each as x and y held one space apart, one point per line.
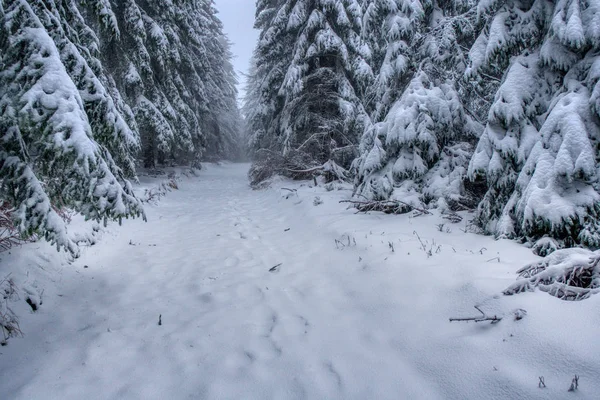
274 294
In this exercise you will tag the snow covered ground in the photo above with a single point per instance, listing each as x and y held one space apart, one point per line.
355 309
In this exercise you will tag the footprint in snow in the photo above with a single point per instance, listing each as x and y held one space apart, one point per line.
336 375
231 261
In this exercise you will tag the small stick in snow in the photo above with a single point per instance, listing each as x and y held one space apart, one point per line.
574 384
275 268
482 318
286 230
159 319
291 190
422 244
542 384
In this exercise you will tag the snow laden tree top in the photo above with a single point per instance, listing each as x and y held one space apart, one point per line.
49 156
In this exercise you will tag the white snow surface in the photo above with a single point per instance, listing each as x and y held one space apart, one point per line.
332 322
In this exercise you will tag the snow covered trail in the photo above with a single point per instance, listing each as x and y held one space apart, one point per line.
330 322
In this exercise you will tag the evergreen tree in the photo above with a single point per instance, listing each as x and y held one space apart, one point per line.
539 152
155 65
311 72
86 84
110 118
263 104
322 109
49 156
222 122
421 149
230 122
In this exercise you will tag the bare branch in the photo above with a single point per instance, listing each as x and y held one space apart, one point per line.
386 206
481 318
305 171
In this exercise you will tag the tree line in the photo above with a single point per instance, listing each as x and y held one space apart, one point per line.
491 105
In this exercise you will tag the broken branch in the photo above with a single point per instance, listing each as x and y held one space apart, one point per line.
481 318
386 206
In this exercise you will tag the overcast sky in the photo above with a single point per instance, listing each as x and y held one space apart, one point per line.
238 19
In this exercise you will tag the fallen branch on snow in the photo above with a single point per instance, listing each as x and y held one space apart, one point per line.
275 268
305 171
155 193
385 206
9 323
483 317
569 274
296 165
330 170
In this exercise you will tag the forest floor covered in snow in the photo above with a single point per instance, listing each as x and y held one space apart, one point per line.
275 294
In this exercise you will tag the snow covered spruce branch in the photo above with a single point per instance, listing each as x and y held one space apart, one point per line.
385 206
569 274
52 150
9 233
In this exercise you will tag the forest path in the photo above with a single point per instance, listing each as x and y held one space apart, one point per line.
231 328
325 323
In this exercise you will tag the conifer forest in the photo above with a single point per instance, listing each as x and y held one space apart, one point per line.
299 199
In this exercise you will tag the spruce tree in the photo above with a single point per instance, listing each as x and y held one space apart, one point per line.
49 157
263 104
88 86
222 121
149 62
80 47
311 72
539 152
174 64
421 149
230 117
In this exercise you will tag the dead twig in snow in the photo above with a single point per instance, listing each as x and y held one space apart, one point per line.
574 384
451 216
275 268
483 317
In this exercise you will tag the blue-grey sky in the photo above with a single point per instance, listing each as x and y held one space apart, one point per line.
238 20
